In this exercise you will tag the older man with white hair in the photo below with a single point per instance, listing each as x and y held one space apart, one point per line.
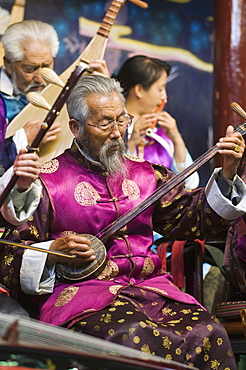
28 45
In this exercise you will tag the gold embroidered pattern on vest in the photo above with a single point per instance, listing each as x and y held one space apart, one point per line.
8 259
114 289
111 270
50 167
66 296
134 159
148 267
130 189
85 194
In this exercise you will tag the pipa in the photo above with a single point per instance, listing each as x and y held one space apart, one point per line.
16 15
94 50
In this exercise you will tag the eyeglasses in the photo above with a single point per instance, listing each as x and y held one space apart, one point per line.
106 125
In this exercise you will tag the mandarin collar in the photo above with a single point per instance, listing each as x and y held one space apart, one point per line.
85 160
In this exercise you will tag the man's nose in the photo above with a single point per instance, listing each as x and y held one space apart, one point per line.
115 133
37 76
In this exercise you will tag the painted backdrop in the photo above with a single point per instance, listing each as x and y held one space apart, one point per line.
178 31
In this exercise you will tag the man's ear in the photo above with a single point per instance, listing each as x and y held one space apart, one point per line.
138 89
8 65
74 127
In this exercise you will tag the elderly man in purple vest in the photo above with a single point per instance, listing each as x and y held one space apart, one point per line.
130 301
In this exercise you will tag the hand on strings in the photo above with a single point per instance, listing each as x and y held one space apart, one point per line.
74 245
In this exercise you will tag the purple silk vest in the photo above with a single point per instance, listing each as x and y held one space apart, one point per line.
152 151
86 201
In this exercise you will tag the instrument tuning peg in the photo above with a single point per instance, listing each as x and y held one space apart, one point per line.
50 76
140 3
238 109
37 100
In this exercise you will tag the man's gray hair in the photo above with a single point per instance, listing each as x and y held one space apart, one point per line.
77 102
18 34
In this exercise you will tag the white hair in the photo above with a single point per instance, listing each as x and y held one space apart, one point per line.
19 33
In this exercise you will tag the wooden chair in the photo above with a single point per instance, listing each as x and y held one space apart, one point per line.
232 314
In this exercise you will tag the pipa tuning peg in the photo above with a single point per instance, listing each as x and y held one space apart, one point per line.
37 100
50 76
238 109
140 3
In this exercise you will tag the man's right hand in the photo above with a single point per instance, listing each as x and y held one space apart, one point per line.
31 129
73 244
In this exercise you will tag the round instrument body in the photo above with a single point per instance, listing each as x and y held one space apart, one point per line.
88 270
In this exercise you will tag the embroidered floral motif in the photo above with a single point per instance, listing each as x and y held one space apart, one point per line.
145 348
110 271
166 342
168 312
106 318
85 194
148 267
50 167
206 344
34 231
215 365
130 189
8 259
66 296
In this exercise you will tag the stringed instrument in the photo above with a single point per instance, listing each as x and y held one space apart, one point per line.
71 271
94 50
54 111
16 15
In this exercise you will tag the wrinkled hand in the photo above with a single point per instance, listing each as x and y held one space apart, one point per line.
72 244
232 147
100 67
31 129
27 167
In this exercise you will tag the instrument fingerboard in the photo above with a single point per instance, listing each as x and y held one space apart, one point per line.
109 18
166 187
241 129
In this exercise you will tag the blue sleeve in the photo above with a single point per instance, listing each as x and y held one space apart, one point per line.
7 154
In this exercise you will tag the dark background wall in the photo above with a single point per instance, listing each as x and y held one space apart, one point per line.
178 31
